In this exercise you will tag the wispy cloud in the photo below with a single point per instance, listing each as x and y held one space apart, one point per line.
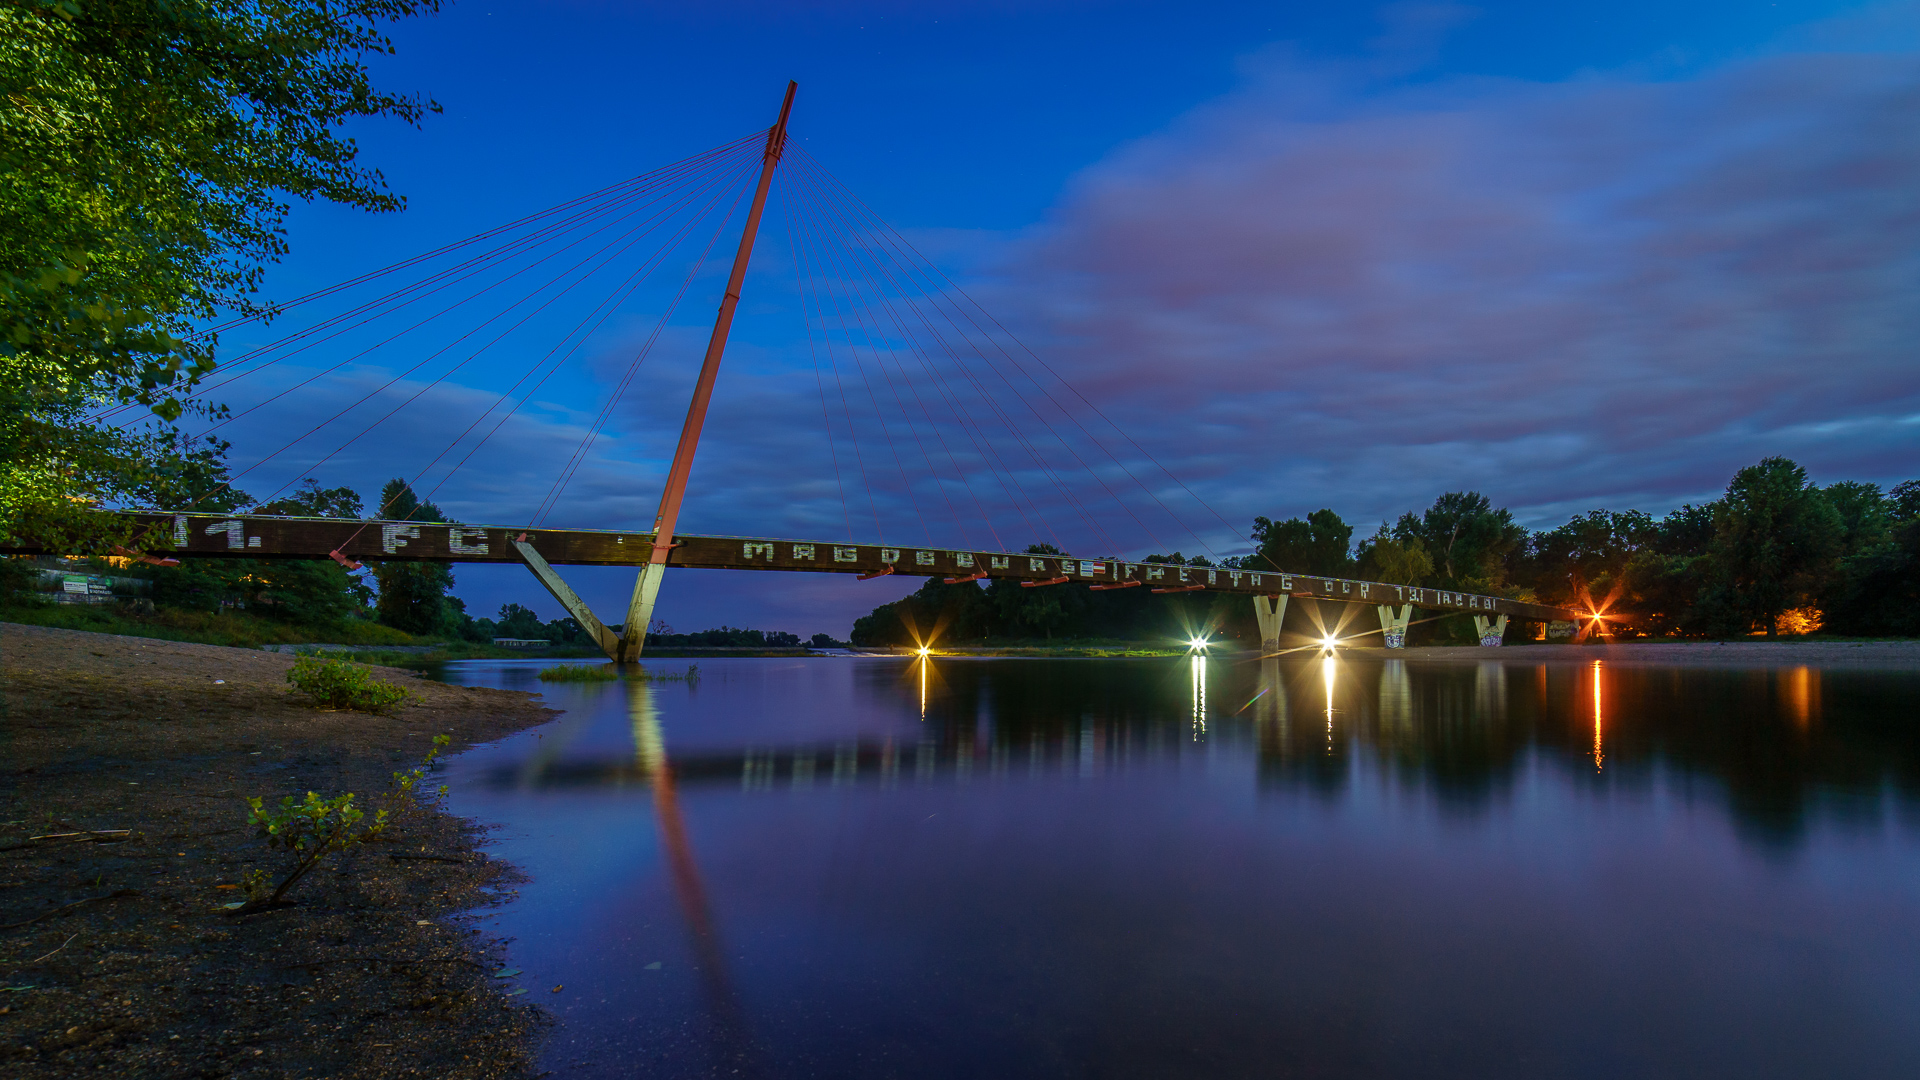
1605 292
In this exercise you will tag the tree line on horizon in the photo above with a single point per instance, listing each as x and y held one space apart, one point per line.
1775 554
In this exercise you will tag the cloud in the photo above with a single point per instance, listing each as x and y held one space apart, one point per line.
1604 292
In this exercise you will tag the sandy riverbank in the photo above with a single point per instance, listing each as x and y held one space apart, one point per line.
374 973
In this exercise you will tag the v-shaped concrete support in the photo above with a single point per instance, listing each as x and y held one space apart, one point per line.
1393 625
1270 612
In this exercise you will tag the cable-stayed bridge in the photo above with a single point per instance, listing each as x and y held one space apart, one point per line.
930 406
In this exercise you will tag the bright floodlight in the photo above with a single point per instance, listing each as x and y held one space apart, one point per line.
1329 642
924 651
1197 643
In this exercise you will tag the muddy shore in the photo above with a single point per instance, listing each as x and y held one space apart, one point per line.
115 958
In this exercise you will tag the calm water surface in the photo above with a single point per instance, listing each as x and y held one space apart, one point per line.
874 867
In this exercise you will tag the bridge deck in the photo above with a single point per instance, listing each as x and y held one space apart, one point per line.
248 537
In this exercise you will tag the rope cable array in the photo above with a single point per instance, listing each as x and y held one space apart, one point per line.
615 246
610 199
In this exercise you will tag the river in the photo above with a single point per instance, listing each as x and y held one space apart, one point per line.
1350 867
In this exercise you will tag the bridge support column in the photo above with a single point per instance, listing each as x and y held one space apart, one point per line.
1393 625
569 599
1270 612
646 589
1492 630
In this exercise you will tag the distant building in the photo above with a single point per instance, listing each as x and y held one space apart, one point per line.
522 642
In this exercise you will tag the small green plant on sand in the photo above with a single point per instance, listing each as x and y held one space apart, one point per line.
406 785
337 684
579 673
310 829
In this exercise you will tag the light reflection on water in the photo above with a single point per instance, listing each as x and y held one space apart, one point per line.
931 868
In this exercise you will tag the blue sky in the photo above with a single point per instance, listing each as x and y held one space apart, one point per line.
1307 255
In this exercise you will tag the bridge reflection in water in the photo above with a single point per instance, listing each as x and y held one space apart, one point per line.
1461 728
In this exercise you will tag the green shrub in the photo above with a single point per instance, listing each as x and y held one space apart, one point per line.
16 579
313 828
310 829
337 684
579 673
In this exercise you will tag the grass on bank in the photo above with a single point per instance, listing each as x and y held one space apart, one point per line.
372 642
579 673
611 672
235 628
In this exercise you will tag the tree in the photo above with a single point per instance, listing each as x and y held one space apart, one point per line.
1395 561
55 470
1865 523
1467 539
1044 610
1877 588
1175 559
517 622
1587 557
1321 544
413 595
301 591
145 148
1903 502
1686 531
309 499
1775 540
935 612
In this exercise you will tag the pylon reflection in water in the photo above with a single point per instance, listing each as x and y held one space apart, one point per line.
650 754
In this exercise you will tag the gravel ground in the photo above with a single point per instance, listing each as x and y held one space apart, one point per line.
115 958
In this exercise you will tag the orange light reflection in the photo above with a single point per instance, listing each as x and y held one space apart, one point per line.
1599 757
1802 693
